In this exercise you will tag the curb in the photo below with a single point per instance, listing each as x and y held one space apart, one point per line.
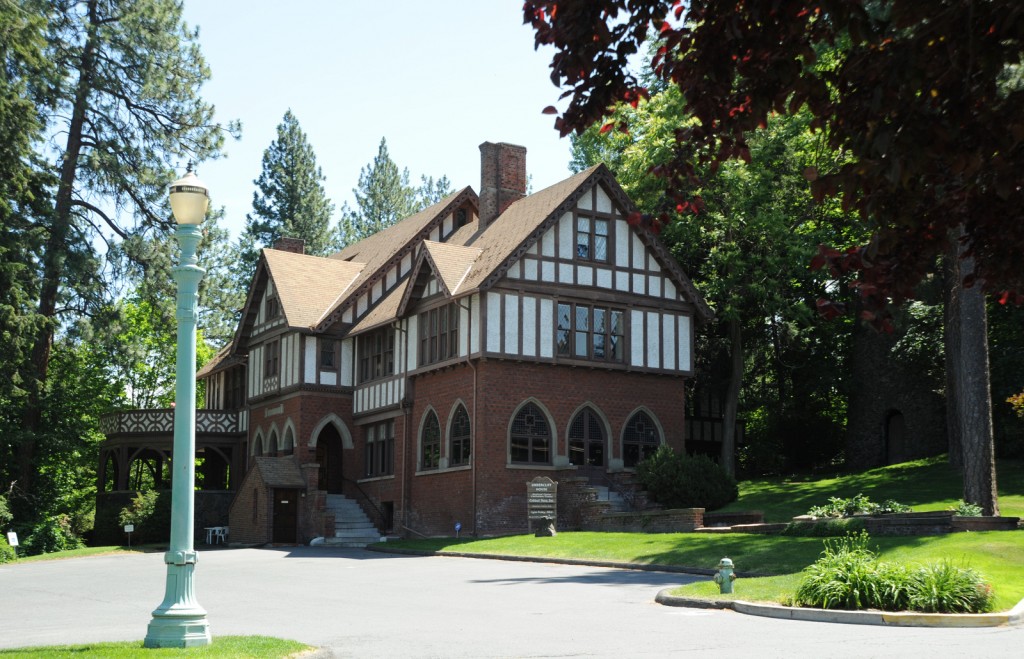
1014 616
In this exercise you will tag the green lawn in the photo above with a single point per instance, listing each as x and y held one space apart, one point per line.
222 646
90 551
924 485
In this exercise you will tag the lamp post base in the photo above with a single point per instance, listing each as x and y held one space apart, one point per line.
179 621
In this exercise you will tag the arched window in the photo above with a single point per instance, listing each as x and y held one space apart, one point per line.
586 439
430 442
640 439
272 447
257 446
459 438
530 437
289 443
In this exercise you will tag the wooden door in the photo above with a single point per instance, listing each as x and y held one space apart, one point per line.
286 507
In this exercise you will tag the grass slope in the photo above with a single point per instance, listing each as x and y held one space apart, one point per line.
930 484
256 647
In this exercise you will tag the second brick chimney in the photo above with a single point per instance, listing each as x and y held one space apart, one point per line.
294 245
502 178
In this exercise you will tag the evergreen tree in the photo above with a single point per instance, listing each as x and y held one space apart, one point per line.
289 199
123 109
385 196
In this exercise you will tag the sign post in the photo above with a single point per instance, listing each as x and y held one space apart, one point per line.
542 505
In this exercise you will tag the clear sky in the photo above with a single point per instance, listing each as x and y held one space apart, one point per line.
435 78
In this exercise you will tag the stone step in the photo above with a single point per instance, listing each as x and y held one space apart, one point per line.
352 528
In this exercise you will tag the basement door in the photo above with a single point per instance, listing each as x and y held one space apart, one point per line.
286 507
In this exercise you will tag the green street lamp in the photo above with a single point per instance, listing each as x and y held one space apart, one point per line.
179 621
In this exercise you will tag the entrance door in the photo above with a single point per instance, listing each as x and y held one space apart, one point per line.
328 454
286 507
587 446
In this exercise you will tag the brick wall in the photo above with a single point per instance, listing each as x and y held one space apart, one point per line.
251 512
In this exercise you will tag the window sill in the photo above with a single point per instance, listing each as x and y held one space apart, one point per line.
432 472
372 479
535 467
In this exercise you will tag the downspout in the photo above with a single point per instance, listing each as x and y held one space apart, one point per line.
406 411
472 437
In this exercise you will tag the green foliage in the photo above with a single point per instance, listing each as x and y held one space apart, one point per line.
5 513
677 480
7 552
848 575
824 528
384 196
51 535
947 588
857 505
965 509
150 512
289 200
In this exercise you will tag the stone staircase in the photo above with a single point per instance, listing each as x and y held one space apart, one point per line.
618 504
352 528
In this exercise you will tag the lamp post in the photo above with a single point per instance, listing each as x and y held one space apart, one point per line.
179 621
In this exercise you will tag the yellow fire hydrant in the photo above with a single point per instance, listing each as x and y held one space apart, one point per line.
725 575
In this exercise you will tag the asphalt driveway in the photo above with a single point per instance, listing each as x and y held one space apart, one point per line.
355 603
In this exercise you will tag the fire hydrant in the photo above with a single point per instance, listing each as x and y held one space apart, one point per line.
725 575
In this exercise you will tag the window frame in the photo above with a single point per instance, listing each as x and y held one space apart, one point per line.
460 446
531 439
379 449
568 336
588 419
430 446
642 446
328 347
438 334
272 359
587 238
376 354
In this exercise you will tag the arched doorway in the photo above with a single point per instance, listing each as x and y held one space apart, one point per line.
328 455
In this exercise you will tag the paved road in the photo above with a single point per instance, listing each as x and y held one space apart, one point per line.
356 603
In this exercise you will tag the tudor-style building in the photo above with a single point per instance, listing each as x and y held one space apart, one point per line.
433 369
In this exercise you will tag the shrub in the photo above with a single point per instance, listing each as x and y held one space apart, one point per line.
677 480
7 552
945 588
857 505
824 528
965 509
51 535
5 513
850 576
150 513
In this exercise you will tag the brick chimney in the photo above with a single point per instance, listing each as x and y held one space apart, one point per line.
502 178
293 245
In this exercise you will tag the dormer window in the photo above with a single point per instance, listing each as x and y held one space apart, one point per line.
591 239
461 217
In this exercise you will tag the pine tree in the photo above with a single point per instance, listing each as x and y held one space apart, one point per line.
385 196
290 199
124 110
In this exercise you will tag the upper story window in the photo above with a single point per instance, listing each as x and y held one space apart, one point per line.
271 359
459 438
272 308
430 442
592 239
328 355
461 217
530 436
439 334
591 332
376 354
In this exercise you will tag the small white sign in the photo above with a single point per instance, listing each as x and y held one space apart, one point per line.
129 528
12 538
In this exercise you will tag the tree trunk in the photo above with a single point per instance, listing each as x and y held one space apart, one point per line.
951 346
732 397
55 257
967 343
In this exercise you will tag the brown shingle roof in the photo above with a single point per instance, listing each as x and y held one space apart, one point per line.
385 311
513 228
280 472
452 263
308 286
378 250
